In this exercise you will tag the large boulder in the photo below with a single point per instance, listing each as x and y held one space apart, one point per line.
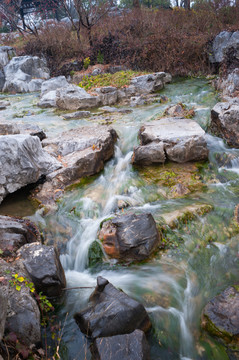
151 82
75 98
43 266
82 152
221 315
225 121
221 43
25 74
132 346
22 162
23 315
15 232
111 312
54 84
181 140
130 237
48 91
6 54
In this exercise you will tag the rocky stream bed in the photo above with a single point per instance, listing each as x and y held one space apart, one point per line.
165 233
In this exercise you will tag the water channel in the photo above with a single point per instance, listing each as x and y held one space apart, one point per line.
174 285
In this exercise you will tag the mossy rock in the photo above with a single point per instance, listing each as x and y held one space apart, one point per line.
221 316
95 254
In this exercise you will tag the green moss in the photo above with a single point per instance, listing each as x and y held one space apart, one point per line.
215 331
81 183
119 79
236 287
95 254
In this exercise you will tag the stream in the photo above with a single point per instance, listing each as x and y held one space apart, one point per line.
175 285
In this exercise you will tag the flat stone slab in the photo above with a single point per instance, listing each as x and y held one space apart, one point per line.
132 346
182 139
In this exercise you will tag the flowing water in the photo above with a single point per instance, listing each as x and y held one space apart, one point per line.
175 285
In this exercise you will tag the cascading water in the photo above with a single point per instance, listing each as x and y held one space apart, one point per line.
175 285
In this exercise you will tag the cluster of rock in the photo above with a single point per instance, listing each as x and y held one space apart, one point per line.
225 115
116 323
175 139
27 260
57 92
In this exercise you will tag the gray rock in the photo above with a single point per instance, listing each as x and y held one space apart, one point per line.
48 100
83 152
15 232
43 265
132 346
54 84
108 95
183 139
152 153
75 98
225 121
221 315
230 85
22 162
2 79
130 237
6 54
23 315
13 129
221 43
96 72
77 115
25 74
137 101
111 312
3 308
149 83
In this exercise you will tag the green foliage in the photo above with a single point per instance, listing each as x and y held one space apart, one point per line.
86 63
100 58
95 254
119 79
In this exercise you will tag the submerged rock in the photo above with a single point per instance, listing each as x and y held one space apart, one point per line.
82 152
77 115
43 265
111 312
130 237
182 139
22 162
221 315
132 346
225 121
25 74
15 232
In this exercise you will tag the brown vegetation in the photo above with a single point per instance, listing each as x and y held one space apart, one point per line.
175 40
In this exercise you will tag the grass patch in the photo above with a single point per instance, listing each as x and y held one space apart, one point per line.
119 79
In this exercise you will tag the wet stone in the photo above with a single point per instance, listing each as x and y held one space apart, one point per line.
130 237
111 312
132 346
221 315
